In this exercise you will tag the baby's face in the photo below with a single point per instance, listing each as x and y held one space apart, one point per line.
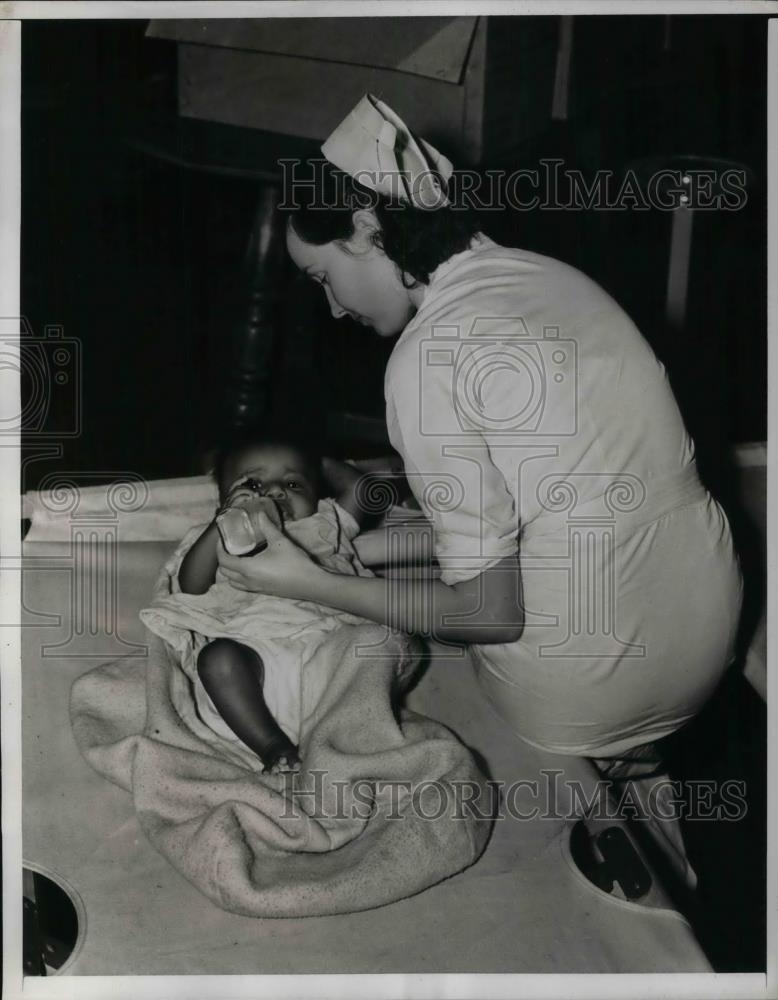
280 472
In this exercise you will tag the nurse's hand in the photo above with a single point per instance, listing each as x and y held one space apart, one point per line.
282 569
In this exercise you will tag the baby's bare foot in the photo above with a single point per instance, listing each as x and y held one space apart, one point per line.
287 763
281 758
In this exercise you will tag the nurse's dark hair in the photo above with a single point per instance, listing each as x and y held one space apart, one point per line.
417 240
266 436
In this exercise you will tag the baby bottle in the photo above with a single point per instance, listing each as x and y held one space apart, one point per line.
237 524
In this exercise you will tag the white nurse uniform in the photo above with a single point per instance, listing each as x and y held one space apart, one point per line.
531 413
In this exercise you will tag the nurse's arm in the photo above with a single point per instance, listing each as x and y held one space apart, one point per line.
380 547
487 609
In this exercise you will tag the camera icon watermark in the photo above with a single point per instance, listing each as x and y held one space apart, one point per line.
503 380
49 368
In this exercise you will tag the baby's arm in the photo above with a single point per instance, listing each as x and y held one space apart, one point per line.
198 569
360 491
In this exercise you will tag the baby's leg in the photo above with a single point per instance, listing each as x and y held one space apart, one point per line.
233 676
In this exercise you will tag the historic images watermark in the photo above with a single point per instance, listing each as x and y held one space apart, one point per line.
550 186
90 605
50 368
319 796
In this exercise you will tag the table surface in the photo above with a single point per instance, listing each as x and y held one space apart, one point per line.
523 907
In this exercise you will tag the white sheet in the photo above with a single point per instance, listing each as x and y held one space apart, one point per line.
522 908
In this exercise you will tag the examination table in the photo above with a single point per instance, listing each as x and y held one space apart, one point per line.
525 907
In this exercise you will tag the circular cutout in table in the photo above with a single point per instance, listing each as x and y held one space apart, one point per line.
54 922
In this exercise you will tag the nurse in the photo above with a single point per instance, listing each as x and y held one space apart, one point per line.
583 562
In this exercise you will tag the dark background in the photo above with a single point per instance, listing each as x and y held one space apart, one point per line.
140 261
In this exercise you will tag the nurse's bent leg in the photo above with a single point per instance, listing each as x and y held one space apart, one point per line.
640 775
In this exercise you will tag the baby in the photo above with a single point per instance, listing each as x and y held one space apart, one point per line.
252 647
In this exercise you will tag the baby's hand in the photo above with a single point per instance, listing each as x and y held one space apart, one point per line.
269 507
240 495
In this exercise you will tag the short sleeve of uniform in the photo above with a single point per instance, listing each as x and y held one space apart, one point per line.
448 464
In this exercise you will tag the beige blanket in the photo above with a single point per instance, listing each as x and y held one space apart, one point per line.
378 812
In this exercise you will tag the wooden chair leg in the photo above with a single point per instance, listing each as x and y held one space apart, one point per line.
247 396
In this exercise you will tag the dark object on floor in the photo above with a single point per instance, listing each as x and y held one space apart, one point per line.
50 929
621 863
721 760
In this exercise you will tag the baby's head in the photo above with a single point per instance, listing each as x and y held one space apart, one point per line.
281 467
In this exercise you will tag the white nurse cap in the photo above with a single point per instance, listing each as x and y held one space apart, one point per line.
375 147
